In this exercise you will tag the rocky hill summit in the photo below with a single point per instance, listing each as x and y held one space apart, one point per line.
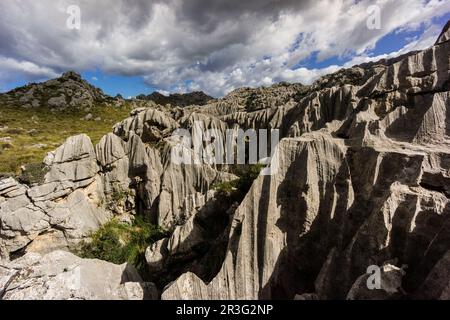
362 183
178 99
67 91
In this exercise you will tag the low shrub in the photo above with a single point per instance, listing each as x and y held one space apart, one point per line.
33 173
235 190
118 242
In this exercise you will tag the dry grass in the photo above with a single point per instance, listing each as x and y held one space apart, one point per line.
28 128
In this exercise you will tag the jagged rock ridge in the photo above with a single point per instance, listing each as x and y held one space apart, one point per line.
177 99
363 181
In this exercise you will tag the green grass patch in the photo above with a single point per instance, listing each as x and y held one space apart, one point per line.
119 243
35 131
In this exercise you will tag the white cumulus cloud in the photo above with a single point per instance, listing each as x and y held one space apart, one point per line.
210 45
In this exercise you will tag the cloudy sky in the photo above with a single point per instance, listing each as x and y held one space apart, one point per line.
139 46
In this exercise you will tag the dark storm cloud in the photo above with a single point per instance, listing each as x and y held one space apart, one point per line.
208 14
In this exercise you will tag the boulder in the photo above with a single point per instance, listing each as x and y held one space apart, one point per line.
390 285
60 275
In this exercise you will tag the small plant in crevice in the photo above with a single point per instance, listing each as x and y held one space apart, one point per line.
117 200
251 102
33 173
119 195
235 190
119 243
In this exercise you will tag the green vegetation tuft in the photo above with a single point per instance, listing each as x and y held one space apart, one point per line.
119 243
235 190
34 173
118 195
29 133
251 104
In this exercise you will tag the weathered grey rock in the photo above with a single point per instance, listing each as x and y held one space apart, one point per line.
437 284
246 271
184 238
187 287
390 285
110 149
9 188
362 180
184 188
49 191
6 276
4 254
75 161
60 212
49 241
156 254
57 102
23 222
145 168
111 152
60 275
363 176
78 216
149 124
445 35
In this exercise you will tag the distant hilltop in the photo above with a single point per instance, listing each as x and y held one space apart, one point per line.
67 91
181 100
72 91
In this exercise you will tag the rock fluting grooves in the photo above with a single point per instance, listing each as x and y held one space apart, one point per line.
363 180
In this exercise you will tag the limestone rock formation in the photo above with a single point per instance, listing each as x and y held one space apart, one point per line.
178 100
390 283
437 283
60 275
86 186
59 212
445 34
362 179
67 91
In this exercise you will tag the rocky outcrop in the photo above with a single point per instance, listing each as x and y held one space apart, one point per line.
363 181
198 98
445 34
150 124
62 210
67 91
60 275
169 191
437 284
390 285
127 172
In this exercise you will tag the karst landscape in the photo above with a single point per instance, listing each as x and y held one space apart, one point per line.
363 179
224 158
